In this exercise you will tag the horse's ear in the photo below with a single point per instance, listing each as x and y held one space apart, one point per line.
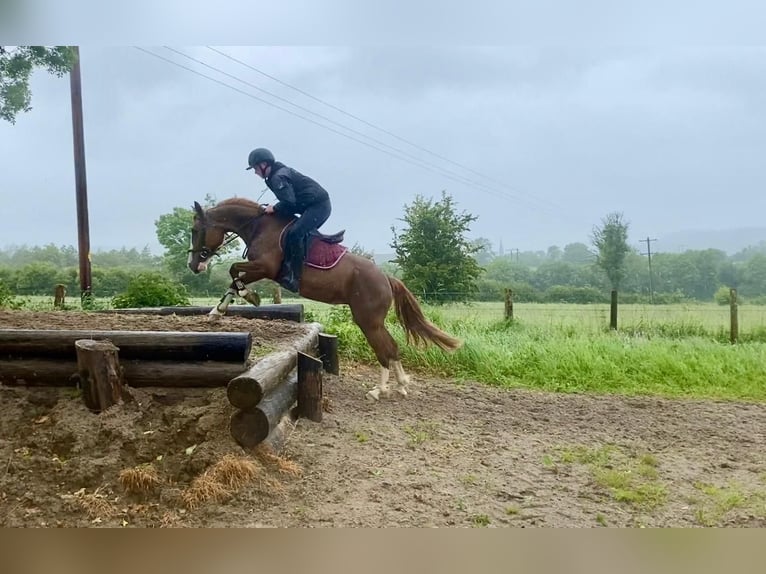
198 209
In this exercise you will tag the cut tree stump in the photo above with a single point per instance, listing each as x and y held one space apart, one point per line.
309 387
328 352
249 388
250 427
98 369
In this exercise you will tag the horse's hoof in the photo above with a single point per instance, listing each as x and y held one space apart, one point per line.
373 395
214 317
252 298
402 391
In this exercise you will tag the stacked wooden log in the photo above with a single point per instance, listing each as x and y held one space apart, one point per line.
269 396
41 357
286 312
279 389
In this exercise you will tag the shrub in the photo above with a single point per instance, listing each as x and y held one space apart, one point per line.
151 289
722 296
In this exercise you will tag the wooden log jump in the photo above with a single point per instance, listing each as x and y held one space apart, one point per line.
251 426
246 390
274 416
287 312
37 372
144 345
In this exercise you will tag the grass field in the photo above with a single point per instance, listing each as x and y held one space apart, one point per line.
671 350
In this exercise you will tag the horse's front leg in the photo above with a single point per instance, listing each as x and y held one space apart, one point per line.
244 275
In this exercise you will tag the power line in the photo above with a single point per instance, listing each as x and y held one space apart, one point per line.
405 159
461 179
365 122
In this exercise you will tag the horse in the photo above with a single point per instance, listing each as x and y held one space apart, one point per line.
348 279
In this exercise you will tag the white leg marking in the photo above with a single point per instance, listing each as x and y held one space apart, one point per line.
382 389
402 378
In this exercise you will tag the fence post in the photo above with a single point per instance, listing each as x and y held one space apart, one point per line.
613 311
734 331
59 296
509 304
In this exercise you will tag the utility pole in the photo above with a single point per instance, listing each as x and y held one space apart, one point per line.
81 186
517 254
649 253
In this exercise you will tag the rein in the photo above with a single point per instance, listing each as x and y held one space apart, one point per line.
205 252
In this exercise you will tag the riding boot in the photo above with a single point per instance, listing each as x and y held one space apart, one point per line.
291 265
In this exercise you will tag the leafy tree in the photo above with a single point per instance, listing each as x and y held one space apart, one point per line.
484 253
754 276
611 242
435 257
577 253
174 234
16 66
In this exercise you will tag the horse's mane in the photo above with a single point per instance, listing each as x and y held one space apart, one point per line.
239 201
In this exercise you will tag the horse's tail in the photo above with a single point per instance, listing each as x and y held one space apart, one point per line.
416 326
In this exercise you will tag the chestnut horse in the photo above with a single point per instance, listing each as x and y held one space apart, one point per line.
354 281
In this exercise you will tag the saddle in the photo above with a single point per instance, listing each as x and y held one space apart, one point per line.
328 238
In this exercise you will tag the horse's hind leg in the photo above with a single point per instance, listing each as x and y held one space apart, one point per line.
386 350
402 378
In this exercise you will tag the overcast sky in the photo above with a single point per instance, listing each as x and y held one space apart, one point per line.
673 138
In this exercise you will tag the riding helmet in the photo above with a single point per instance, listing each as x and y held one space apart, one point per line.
259 155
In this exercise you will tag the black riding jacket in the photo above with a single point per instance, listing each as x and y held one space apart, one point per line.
295 191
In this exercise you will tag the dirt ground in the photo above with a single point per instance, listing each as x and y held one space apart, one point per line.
449 455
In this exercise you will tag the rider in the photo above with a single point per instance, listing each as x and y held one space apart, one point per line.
297 194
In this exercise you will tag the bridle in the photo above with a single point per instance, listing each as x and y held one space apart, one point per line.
206 253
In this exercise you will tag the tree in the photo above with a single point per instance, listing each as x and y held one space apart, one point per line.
435 257
484 253
174 234
577 253
611 241
16 66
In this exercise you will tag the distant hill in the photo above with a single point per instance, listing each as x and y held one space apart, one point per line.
729 240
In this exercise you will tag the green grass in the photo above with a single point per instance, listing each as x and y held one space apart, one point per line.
628 478
669 350
579 359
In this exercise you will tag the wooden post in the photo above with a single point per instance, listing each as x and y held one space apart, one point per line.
277 294
734 331
309 387
509 304
613 311
328 353
98 369
81 186
59 296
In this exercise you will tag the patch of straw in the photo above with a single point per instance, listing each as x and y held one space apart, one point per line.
280 464
95 504
139 479
220 481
